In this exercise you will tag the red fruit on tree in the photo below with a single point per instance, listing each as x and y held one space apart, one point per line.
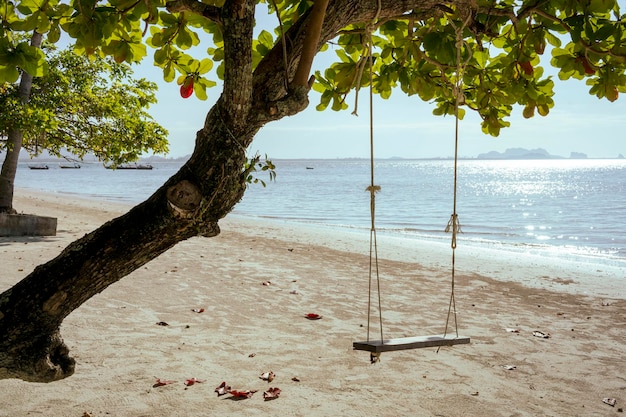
186 90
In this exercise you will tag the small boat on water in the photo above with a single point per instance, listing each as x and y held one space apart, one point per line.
69 166
130 166
38 166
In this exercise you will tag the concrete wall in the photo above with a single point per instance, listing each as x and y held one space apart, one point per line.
27 225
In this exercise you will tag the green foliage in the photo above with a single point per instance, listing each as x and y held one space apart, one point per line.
85 106
500 62
256 164
496 60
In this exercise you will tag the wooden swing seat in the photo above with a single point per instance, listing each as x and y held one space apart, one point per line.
405 343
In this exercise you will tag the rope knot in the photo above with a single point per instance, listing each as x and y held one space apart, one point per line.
454 226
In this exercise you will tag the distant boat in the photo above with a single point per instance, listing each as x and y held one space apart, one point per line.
38 166
310 168
130 166
69 166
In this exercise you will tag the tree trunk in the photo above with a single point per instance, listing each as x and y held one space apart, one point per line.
189 204
14 142
9 170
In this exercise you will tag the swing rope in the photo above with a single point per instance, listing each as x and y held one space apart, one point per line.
373 189
377 347
454 226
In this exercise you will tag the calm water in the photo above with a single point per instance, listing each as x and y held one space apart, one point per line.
574 208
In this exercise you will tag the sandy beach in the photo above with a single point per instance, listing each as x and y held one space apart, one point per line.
257 281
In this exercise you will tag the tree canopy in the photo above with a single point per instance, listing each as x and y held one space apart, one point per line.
82 106
483 55
501 46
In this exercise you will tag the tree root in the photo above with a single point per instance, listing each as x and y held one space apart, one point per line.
49 363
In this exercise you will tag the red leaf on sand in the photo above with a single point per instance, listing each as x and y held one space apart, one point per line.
313 316
241 394
160 382
271 394
197 310
222 389
192 381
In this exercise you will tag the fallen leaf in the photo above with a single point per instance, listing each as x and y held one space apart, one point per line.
609 401
268 376
197 310
222 389
271 394
162 323
241 395
192 381
160 382
295 379
313 316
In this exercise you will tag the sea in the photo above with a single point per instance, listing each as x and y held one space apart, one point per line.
569 208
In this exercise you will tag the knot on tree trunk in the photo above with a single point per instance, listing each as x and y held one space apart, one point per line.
46 360
291 104
184 199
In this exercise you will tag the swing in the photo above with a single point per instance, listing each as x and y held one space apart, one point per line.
376 347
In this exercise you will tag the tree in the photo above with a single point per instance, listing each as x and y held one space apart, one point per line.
78 106
415 46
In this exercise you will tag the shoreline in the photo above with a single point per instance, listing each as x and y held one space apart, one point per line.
249 328
532 270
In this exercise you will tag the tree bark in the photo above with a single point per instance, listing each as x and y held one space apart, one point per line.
189 204
14 142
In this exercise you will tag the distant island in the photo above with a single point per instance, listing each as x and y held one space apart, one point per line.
521 153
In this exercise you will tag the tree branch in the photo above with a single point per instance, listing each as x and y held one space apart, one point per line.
269 93
196 7
311 42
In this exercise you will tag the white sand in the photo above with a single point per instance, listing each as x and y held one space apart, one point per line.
249 328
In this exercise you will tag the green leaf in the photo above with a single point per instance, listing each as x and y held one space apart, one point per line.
266 39
9 74
54 34
169 72
184 39
199 89
205 66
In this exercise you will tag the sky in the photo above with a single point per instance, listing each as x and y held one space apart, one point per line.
405 126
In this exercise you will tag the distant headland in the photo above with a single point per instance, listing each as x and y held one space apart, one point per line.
539 153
